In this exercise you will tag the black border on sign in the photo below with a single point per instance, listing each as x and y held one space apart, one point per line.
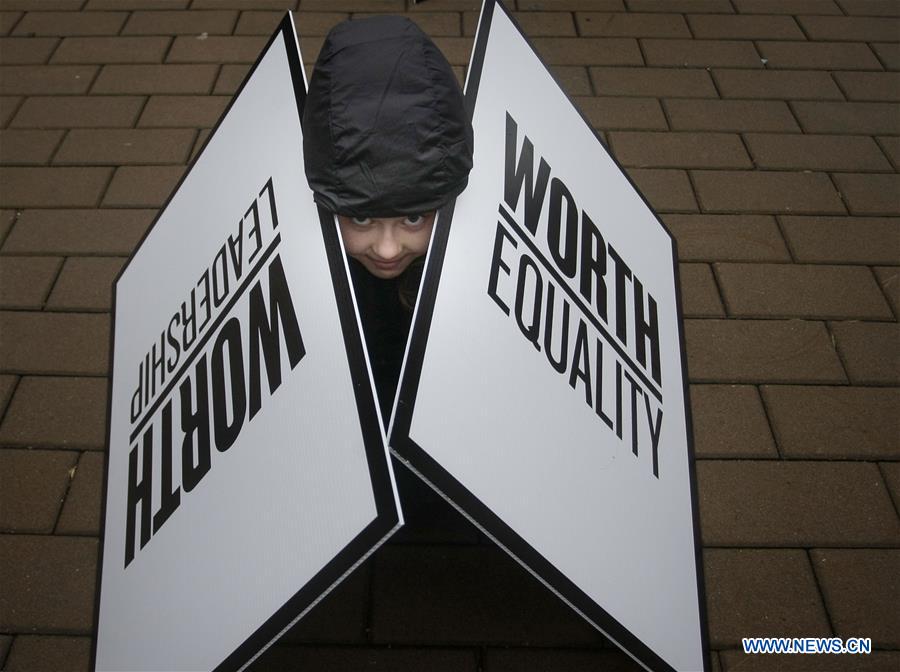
387 514
411 454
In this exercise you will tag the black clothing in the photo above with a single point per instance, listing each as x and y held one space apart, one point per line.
385 131
386 325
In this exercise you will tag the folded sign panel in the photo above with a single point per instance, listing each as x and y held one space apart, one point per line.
246 470
544 389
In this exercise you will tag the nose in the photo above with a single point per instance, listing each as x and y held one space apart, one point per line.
387 246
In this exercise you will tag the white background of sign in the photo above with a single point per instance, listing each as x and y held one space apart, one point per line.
492 412
295 488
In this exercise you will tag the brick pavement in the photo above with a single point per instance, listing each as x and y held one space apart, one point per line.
765 133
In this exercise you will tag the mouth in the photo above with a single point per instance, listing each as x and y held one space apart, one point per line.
386 265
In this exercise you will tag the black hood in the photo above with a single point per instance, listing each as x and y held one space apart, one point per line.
385 131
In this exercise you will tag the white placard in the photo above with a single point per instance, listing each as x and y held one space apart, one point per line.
544 390
247 473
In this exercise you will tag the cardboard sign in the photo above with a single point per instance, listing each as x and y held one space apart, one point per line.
544 391
247 472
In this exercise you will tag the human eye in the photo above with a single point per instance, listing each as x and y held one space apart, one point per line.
414 220
361 221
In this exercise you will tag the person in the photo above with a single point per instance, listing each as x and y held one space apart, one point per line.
386 143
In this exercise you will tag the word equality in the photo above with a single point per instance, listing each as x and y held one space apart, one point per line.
563 304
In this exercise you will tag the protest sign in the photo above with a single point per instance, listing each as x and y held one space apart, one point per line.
246 472
544 391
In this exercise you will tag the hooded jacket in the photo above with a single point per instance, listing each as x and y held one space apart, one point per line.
385 131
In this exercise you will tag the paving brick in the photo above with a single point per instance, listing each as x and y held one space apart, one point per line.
391 6
588 51
573 79
242 4
766 192
25 282
137 4
7 219
730 422
78 232
870 7
679 150
761 351
727 237
701 53
142 186
7 385
78 112
125 147
5 643
35 5
631 25
848 577
835 422
877 86
520 660
81 511
870 194
30 80
773 503
819 55
729 115
870 351
340 617
216 49
202 137
85 284
26 50
794 290
30 343
54 412
286 658
616 113
8 20
180 23
699 294
570 5
112 50
24 148
850 28
698 6
889 54
48 584
787 7
891 473
772 84
891 148
8 107
877 661
666 190
851 240
70 23
52 187
34 484
183 111
306 23
654 82
43 652
755 592
231 76
149 79
889 279
465 594
533 23
862 118
705 26
816 152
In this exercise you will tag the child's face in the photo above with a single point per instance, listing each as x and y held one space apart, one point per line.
387 245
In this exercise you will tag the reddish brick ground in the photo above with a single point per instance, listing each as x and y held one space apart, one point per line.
764 132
